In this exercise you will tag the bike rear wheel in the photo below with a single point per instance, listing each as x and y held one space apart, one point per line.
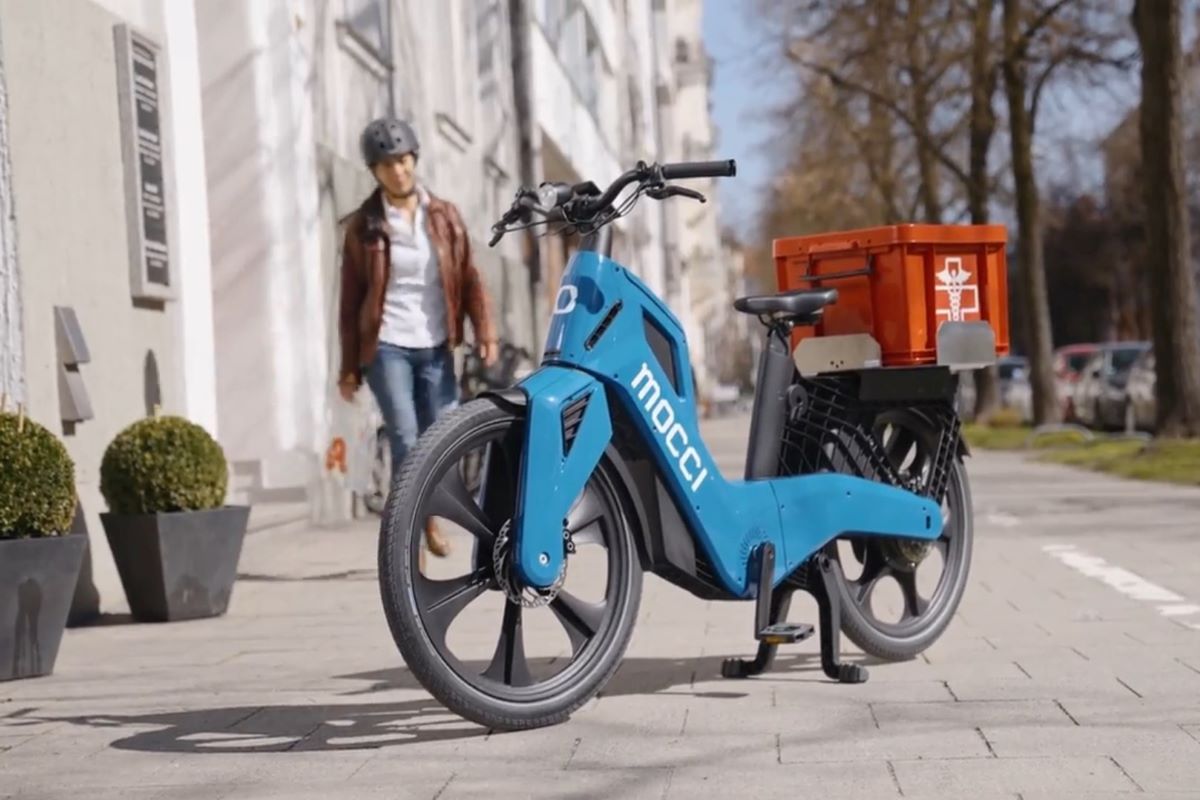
897 595
552 651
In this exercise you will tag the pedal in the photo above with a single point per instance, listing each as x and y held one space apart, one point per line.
785 633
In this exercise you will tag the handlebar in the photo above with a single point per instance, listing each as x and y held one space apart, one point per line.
580 204
699 169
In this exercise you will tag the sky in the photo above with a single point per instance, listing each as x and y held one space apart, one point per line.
741 91
738 96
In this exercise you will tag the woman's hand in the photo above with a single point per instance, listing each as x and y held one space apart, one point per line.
348 387
490 352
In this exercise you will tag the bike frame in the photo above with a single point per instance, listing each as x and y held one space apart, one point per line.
616 357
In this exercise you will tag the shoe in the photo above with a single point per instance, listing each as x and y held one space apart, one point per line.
437 543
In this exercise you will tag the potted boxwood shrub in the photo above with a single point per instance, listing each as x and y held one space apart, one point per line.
175 543
39 562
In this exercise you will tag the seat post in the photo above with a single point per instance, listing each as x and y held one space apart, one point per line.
775 368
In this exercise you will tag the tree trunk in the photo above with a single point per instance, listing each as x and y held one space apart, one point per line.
880 135
919 98
1031 269
1172 286
982 129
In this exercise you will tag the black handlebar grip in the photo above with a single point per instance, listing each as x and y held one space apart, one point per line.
699 169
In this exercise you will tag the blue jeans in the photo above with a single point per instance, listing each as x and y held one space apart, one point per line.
412 387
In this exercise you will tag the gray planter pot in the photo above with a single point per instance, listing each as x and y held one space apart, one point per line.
180 565
37 582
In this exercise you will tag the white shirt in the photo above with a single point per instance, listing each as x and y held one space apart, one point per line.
414 308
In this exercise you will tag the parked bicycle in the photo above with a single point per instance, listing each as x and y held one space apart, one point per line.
475 379
852 475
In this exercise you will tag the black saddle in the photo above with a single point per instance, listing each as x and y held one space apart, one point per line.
800 307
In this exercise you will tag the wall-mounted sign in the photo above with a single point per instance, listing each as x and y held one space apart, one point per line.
145 173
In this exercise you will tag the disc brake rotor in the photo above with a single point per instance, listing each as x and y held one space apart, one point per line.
511 584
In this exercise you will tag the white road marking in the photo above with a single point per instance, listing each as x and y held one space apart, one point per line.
1125 582
1184 610
1001 519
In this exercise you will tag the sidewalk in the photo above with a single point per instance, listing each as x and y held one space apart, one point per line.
1052 682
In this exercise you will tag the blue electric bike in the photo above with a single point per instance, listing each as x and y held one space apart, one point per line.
595 461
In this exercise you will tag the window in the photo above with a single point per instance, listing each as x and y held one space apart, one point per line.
551 15
489 26
681 51
370 23
458 71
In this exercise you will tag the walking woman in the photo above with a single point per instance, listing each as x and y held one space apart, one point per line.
408 284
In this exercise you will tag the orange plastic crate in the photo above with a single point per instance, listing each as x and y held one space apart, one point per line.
900 283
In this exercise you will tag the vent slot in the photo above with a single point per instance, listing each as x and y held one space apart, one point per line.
572 418
603 326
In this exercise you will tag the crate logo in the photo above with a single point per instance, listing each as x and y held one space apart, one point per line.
957 294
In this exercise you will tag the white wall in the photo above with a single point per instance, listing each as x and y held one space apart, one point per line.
651 262
287 92
173 24
564 120
71 221
698 226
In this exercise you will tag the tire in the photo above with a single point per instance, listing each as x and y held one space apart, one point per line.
505 696
910 637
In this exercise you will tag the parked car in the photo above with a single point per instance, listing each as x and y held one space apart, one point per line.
1140 408
1069 363
1099 396
1014 389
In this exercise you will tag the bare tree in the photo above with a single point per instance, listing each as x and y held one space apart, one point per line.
979 184
1030 265
1172 286
1042 39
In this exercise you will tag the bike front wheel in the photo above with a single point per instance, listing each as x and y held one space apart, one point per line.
495 652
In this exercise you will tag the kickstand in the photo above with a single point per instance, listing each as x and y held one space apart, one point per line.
744 668
824 589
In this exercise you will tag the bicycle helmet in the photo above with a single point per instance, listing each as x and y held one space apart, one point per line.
388 137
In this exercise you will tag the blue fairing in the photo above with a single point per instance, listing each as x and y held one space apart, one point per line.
609 331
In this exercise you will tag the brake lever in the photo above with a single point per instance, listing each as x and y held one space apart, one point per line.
663 192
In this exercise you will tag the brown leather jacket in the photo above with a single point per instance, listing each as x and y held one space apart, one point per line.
366 268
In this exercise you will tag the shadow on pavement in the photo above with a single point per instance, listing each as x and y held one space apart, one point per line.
359 726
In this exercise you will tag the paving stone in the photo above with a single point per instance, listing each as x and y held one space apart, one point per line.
747 751
969 714
1163 772
1119 741
1092 795
962 777
785 782
636 784
1093 687
1133 711
868 743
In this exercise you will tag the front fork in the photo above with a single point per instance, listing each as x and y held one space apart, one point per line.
567 428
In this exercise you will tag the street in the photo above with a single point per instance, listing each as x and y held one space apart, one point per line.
1071 670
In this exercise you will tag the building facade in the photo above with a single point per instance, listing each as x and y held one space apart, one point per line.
210 289
287 88
105 279
705 274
